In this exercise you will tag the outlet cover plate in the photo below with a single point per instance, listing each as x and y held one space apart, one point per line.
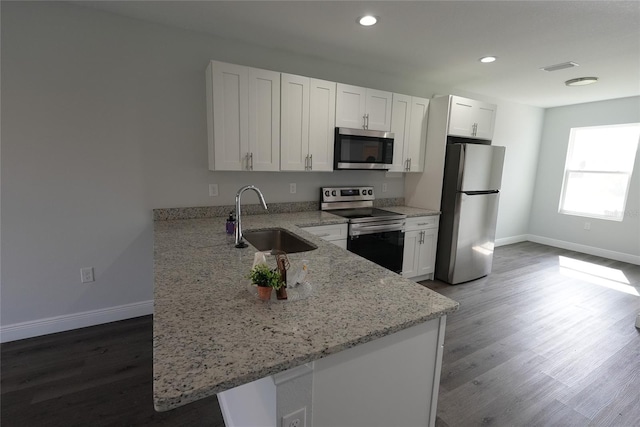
295 419
86 274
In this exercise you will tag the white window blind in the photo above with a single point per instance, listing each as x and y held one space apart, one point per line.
598 169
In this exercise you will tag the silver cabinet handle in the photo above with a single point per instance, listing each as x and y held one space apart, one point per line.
251 159
364 121
422 233
409 164
423 223
306 162
323 234
406 165
246 159
310 162
367 120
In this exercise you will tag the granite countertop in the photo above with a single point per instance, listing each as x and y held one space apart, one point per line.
411 212
211 334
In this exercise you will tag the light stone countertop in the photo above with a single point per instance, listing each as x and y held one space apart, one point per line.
211 334
411 212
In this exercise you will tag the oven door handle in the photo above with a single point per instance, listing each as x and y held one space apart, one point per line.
358 229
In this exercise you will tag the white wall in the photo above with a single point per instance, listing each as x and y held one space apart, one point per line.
620 240
517 128
103 120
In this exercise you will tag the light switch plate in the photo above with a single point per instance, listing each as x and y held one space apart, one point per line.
213 190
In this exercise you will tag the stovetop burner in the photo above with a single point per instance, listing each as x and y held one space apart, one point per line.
360 213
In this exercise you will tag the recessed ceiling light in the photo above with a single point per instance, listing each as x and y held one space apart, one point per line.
487 59
367 21
581 81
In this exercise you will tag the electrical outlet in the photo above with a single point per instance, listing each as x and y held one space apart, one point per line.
213 190
587 226
86 274
384 187
292 188
295 419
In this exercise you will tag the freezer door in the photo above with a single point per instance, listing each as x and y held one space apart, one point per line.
481 167
472 248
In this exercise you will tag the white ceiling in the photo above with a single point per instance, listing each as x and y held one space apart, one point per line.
438 41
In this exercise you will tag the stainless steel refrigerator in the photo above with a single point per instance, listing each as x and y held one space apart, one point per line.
470 195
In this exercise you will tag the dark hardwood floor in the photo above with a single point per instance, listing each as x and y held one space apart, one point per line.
97 376
543 341
536 343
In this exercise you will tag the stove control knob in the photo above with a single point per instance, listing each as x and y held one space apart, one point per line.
370 192
333 193
326 193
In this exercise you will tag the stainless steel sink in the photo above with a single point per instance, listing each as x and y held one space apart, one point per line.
277 239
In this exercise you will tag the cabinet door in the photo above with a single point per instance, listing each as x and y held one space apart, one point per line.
471 118
485 120
228 116
294 140
400 119
264 120
378 110
411 254
427 257
461 117
415 144
322 107
350 106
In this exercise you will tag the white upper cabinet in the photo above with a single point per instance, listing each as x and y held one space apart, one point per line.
415 149
409 126
400 122
362 108
307 123
471 119
321 124
243 117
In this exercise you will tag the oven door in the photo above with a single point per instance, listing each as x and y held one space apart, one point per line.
385 248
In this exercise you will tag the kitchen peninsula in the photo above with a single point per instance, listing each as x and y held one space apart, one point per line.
364 349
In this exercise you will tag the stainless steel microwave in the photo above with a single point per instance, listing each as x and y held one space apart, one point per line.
362 149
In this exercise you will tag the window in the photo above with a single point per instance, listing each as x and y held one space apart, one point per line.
598 170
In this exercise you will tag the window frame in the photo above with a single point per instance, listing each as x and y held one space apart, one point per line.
616 215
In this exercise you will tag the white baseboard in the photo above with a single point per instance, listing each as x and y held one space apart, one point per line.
34 328
605 253
511 240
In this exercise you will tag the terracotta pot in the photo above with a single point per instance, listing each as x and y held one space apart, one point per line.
264 292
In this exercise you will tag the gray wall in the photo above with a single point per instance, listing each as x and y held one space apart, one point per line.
618 237
103 120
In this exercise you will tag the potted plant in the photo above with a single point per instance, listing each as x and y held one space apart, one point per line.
265 279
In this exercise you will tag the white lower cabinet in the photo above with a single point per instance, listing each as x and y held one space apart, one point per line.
335 233
357 387
420 242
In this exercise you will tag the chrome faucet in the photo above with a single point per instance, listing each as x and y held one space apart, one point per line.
239 242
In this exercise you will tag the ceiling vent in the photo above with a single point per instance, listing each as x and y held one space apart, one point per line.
562 66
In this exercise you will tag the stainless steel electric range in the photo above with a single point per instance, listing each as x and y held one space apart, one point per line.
374 234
